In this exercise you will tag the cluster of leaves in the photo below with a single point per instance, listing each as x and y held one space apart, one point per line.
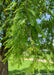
19 21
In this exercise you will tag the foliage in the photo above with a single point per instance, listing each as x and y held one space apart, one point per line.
24 34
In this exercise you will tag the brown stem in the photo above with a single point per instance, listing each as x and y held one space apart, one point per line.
26 2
